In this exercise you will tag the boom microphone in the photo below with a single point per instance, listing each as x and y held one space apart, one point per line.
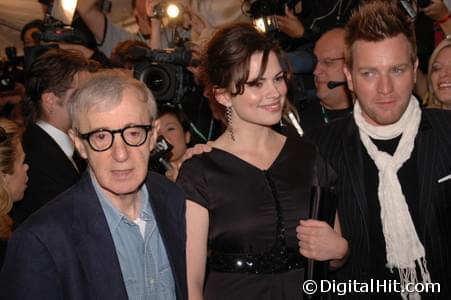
333 84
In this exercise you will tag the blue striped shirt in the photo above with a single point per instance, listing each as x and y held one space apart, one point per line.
142 255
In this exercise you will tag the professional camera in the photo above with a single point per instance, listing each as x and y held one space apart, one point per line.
164 72
57 23
263 11
10 70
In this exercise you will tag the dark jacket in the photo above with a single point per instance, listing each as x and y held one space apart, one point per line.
66 251
340 146
51 172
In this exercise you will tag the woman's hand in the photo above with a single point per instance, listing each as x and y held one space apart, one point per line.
437 10
319 241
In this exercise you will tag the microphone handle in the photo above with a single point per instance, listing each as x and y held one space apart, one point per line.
165 163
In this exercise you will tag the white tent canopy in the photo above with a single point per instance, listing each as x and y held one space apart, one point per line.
14 14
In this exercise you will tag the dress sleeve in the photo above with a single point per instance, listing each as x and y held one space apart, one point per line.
192 179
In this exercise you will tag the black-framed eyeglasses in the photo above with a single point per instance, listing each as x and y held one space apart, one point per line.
102 139
328 61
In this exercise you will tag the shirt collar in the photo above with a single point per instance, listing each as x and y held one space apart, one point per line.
60 137
112 214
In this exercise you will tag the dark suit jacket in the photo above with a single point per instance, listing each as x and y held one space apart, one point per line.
50 173
340 145
66 251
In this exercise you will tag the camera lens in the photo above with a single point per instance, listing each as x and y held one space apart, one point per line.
158 80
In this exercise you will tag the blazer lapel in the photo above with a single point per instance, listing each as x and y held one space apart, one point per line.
95 245
164 216
354 165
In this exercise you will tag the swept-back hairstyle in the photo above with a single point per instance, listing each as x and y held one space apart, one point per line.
226 60
10 136
53 71
375 21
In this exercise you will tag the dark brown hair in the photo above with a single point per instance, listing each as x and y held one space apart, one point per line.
120 54
226 60
53 71
375 21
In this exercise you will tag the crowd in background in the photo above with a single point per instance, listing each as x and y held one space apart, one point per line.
273 130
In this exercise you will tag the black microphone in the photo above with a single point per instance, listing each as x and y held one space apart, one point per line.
333 84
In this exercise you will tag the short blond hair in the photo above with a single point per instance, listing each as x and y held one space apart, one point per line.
432 99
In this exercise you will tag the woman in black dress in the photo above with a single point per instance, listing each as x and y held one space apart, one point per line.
13 177
247 196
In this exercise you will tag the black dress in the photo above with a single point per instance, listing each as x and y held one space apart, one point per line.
249 210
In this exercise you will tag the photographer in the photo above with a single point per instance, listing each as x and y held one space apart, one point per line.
166 74
108 34
174 128
11 86
301 23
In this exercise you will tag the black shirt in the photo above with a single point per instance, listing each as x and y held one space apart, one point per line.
407 175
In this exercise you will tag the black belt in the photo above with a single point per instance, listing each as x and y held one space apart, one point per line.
266 263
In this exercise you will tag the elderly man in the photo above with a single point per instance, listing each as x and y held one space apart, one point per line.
333 97
120 232
393 162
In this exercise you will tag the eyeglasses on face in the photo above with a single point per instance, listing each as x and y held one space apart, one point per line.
102 139
328 61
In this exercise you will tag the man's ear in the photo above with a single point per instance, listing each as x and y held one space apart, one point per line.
49 100
78 143
348 78
223 97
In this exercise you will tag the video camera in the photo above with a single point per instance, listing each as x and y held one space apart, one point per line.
164 72
10 70
263 11
58 21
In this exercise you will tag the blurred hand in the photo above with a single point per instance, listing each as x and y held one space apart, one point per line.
150 4
437 10
290 24
319 241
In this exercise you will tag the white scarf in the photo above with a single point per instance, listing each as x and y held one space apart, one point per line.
403 246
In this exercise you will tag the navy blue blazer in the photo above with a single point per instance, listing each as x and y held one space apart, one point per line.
65 250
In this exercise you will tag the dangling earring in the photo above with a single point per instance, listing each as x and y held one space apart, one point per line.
228 115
